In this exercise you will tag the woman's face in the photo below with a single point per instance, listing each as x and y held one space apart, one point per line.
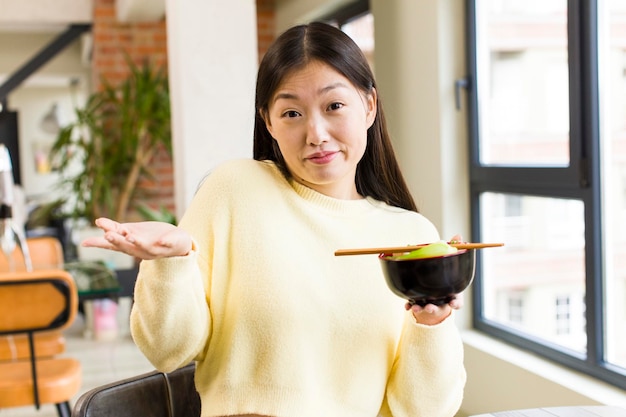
319 120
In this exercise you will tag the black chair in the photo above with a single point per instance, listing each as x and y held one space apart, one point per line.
154 394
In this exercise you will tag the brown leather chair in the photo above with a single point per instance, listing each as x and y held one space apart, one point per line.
46 253
154 394
33 302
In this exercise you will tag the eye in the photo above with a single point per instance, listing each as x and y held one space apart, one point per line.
335 106
290 114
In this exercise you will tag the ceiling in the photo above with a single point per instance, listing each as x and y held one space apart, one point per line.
47 16
22 22
54 16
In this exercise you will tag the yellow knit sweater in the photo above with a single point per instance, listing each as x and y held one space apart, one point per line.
278 325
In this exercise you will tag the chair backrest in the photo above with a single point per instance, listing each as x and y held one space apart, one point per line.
16 347
154 394
46 252
36 301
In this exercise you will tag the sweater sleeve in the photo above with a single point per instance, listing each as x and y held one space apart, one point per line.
428 376
170 319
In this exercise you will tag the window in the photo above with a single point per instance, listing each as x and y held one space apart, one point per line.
357 21
361 29
548 177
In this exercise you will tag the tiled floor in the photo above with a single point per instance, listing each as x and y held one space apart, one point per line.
102 362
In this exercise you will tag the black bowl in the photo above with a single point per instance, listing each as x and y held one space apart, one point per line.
434 280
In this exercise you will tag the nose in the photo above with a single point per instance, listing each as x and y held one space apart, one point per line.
317 132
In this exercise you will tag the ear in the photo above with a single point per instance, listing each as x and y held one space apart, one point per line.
372 106
266 118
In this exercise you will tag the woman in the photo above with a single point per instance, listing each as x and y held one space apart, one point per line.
248 285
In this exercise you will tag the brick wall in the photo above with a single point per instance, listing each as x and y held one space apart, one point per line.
111 40
266 24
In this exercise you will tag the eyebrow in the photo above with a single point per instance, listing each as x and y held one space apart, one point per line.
290 96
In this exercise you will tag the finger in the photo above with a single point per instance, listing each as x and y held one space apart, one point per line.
456 238
120 243
430 309
416 309
107 224
457 302
97 242
136 245
114 236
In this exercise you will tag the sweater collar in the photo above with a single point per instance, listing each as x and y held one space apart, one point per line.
323 201
338 206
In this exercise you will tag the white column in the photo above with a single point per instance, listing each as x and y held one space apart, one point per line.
419 53
212 50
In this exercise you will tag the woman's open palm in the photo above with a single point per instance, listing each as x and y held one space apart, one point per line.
143 240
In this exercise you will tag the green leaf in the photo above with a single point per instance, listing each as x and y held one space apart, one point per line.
96 154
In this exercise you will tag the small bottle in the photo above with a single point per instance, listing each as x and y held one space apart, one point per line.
105 319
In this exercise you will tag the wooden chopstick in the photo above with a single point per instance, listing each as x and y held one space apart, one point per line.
399 249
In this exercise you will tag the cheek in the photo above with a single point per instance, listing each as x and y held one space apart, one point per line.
357 136
287 145
360 144
362 148
288 135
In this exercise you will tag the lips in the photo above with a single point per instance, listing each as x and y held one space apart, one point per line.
322 157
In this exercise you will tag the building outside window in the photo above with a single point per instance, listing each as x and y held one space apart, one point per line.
516 309
562 315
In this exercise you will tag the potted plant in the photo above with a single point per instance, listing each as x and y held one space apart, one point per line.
103 154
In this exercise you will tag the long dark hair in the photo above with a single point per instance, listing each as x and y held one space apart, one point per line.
378 174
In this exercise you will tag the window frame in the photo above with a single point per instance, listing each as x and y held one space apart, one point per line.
580 180
347 13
